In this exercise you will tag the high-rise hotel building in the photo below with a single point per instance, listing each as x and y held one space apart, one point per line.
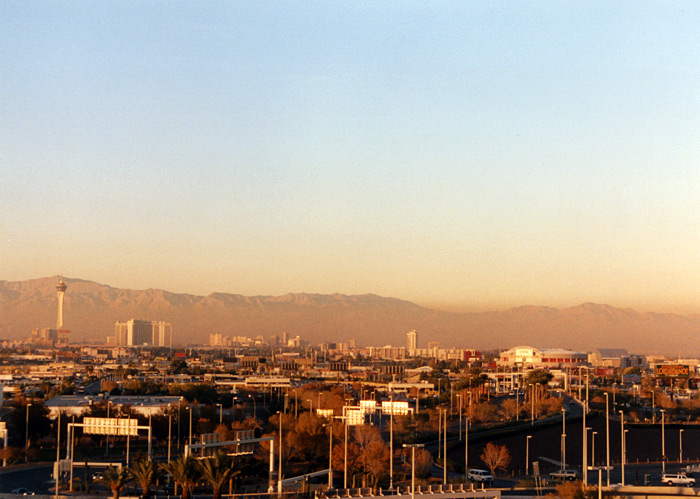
137 332
411 343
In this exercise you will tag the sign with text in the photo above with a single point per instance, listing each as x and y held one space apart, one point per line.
111 426
671 371
397 408
354 417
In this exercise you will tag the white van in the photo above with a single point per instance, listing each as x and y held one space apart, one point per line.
482 476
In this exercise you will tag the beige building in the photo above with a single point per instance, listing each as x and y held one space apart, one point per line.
137 332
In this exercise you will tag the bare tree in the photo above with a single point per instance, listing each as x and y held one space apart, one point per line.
509 409
496 457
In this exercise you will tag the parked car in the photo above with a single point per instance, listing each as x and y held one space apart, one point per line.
677 479
22 491
562 475
482 476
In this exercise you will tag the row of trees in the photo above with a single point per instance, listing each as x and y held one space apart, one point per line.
186 472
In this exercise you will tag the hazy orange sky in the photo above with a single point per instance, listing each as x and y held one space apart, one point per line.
474 155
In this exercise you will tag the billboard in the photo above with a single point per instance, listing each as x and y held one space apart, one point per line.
354 417
397 408
240 449
671 371
111 426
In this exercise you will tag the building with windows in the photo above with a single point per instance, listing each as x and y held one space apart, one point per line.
530 357
137 333
411 343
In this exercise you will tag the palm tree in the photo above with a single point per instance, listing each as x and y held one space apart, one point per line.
144 472
115 479
184 471
216 470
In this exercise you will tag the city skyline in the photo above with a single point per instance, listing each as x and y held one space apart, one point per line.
465 157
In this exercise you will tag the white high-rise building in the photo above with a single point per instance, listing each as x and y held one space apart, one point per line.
411 343
136 332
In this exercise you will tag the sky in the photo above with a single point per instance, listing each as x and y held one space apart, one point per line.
467 155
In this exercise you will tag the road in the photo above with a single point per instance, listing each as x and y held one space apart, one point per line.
34 477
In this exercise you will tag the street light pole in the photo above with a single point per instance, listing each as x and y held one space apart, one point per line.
170 429
585 445
622 445
221 414
345 463
563 439
680 446
663 440
459 401
189 408
593 434
466 449
527 455
413 467
391 444
607 438
26 435
330 457
585 453
444 468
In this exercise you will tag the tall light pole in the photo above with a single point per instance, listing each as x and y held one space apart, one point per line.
593 434
391 444
459 402
279 473
58 454
585 445
189 408
413 467
532 404
345 463
330 455
585 453
26 435
680 446
563 439
170 430
527 455
607 437
623 452
444 468
221 414
663 441
466 449
311 405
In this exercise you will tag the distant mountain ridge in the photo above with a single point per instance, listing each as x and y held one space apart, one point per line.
91 309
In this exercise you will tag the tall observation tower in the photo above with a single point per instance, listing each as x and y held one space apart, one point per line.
60 291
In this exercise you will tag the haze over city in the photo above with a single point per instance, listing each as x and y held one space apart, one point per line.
466 156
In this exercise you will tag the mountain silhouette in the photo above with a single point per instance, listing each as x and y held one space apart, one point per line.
91 309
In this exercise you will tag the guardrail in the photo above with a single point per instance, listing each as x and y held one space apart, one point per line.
449 491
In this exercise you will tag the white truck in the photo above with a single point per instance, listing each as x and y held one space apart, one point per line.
562 475
677 479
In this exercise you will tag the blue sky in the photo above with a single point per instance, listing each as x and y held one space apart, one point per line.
473 155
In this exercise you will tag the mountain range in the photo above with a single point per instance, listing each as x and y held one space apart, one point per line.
91 309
